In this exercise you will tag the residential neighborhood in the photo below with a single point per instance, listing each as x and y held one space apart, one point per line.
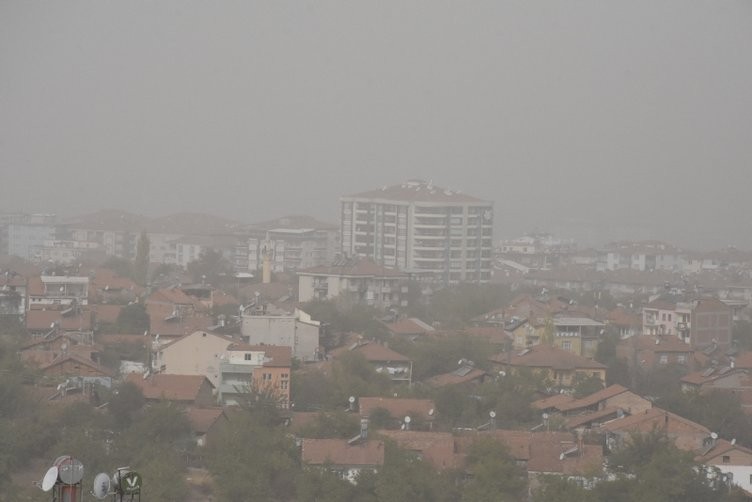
354 359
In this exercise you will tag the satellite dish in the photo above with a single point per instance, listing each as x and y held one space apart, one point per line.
102 485
714 435
70 470
408 419
351 399
545 416
431 412
561 456
50 478
502 373
492 414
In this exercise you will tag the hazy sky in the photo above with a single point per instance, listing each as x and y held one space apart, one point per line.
594 119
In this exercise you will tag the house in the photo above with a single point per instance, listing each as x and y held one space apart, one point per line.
702 322
728 379
262 369
187 390
466 373
297 330
649 351
168 322
205 422
614 396
44 350
411 326
106 286
362 279
421 411
579 335
384 360
72 365
733 460
57 291
640 255
198 353
43 322
345 458
625 322
495 336
436 448
559 366
686 434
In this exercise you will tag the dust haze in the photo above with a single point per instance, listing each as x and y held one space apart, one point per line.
594 120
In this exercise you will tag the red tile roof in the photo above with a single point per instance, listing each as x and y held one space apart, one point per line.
545 356
41 320
170 387
106 313
185 325
410 326
436 448
555 401
337 452
203 419
652 419
397 407
594 398
80 360
456 378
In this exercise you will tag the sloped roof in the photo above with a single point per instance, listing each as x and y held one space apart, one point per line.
594 398
555 401
71 356
650 420
409 326
170 387
107 313
173 296
185 325
372 351
722 446
434 447
456 377
369 453
491 334
659 343
545 356
578 420
397 407
104 278
203 419
41 320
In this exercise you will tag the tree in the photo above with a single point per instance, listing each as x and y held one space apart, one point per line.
125 403
141 263
211 267
494 475
120 266
133 318
584 385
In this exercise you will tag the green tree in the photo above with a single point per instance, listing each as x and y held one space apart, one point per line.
250 460
125 403
141 263
558 489
494 475
211 268
133 319
332 424
406 478
584 385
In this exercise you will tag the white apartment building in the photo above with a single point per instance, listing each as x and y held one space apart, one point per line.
420 228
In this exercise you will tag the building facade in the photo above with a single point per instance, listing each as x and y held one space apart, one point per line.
419 227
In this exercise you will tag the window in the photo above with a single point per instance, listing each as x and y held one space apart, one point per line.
726 459
664 359
267 377
566 345
681 359
283 385
248 357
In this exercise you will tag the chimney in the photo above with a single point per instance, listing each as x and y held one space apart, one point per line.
363 429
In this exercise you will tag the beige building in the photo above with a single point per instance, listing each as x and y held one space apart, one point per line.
199 353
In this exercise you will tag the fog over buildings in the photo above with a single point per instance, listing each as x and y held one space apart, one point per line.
593 120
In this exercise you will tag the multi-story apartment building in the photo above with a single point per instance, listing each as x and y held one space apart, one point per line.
21 233
292 243
421 228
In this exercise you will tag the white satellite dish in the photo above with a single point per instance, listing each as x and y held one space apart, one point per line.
408 419
351 399
102 485
492 414
545 416
714 435
431 412
70 470
50 478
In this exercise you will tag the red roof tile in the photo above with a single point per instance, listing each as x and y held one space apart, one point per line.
170 387
339 452
545 356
